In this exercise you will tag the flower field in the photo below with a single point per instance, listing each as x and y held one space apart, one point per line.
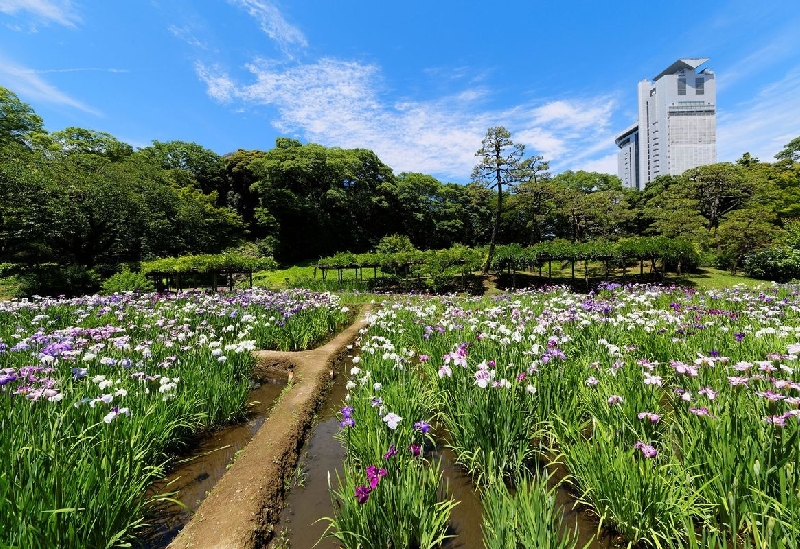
97 393
672 415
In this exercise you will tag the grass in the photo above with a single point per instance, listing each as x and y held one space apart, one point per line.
304 273
9 287
706 278
709 278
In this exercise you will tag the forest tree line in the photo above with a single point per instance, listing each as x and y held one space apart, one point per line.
77 205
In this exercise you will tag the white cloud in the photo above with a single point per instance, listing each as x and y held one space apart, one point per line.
186 34
763 125
27 83
220 86
345 104
57 11
606 164
272 23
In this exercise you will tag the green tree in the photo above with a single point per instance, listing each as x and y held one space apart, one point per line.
719 189
607 214
672 210
747 160
18 121
534 200
315 201
240 196
744 231
27 199
589 205
502 163
791 151
80 141
191 164
417 196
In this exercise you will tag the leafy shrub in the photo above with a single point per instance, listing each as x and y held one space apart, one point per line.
208 262
779 263
708 258
127 281
394 244
51 280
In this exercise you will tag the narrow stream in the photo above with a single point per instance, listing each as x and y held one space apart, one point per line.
196 474
322 457
300 526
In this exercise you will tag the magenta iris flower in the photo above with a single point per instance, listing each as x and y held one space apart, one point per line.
374 476
391 452
362 494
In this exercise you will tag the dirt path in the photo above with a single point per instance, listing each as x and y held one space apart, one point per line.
244 506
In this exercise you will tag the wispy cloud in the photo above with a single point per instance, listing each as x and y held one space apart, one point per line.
61 12
764 124
187 34
346 104
27 83
272 22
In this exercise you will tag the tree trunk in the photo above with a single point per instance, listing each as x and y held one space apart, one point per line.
495 225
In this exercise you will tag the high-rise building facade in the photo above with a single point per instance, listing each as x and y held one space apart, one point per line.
677 126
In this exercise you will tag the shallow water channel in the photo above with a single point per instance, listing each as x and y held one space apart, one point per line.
197 473
309 501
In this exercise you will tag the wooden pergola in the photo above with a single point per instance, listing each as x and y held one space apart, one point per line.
165 280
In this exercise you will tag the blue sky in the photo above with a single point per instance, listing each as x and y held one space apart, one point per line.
417 82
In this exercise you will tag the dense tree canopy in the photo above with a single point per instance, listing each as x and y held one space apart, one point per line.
78 204
18 122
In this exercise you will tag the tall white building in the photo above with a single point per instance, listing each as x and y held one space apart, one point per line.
677 126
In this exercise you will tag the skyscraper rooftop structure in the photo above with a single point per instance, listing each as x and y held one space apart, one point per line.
677 125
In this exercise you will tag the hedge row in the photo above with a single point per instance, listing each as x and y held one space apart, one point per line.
514 256
231 261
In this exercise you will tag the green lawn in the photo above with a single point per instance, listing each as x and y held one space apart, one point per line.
709 278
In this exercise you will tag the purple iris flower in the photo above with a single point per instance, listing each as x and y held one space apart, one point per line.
391 452
422 426
362 494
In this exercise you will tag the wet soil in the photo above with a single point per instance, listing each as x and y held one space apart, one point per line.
321 461
195 475
244 506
